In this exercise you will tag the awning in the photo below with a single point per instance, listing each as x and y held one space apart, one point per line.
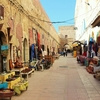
74 44
96 22
78 42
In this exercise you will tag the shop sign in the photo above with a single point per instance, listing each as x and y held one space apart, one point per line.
4 47
4 50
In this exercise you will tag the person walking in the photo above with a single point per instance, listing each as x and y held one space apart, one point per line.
64 52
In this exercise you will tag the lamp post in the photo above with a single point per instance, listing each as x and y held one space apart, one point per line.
88 4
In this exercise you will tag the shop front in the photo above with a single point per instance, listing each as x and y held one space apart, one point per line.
3 51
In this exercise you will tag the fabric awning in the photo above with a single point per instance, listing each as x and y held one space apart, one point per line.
74 44
96 22
78 42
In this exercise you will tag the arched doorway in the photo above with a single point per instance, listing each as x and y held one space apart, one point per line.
25 50
67 47
2 42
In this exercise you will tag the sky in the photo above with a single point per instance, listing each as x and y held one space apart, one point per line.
60 11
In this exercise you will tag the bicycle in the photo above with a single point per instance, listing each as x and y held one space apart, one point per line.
39 66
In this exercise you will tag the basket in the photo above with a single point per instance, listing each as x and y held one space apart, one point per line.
5 93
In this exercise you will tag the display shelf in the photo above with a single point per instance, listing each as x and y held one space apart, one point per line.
4 76
50 59
27 74
3 85
13 82
20 87
18 70
6 93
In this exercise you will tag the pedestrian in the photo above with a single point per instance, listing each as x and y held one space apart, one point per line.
47 50
64 52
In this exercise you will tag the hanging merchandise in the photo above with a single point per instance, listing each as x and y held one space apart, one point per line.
32 52
85 43
91 40
38 41
43 47
38 44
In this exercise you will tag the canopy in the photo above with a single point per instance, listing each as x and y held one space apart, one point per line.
74 44
78 42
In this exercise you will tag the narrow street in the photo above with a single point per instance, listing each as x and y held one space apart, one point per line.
65 80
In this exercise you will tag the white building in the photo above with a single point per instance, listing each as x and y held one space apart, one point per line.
87 19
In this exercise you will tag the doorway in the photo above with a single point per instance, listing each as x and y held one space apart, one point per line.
25 50
2 42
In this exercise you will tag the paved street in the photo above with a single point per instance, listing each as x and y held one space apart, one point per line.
65 80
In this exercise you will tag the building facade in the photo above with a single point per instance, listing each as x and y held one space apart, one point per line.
22 24
67 35
87 20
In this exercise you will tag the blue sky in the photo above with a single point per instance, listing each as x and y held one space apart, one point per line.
59 11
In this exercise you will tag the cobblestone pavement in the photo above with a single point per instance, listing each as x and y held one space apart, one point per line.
65 80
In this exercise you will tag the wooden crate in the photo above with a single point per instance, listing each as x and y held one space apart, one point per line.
26 75
6 93
50 58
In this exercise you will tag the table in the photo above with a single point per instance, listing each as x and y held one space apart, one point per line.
12 83
21 86
82 59
27 74
50 59
6 93
95 61
4 76
4 85
18 70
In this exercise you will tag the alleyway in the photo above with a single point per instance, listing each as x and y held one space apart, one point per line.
65 80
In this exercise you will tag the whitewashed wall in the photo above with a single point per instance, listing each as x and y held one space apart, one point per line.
84 16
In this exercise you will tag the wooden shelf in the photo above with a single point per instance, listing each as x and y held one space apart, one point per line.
26 75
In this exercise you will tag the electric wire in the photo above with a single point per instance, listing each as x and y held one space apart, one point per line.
93 10
66 21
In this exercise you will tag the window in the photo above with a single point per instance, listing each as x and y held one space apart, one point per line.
1 12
